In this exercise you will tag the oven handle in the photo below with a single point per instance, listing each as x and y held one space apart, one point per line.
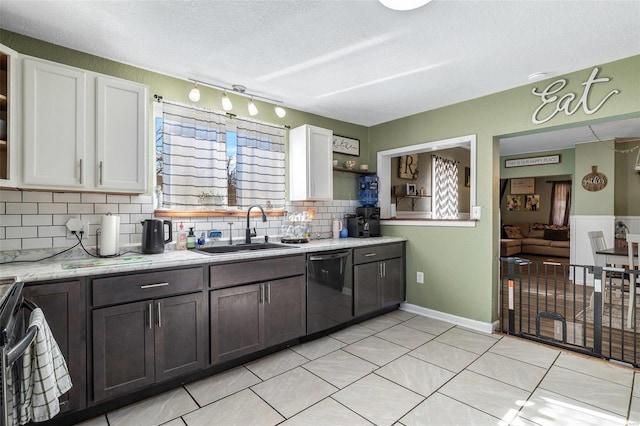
19 348
329 256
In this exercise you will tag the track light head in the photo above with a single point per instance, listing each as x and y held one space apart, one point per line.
253 109
226 102
280 112
194 94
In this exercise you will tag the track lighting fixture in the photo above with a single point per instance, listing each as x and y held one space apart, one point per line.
194 94
404 4
226 102
280 112
253 109
239 90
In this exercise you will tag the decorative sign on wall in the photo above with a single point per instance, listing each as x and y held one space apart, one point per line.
553 103
408 168
594 181
345 145
523 186
532 161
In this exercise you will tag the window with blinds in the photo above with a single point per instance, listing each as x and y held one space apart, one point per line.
205 158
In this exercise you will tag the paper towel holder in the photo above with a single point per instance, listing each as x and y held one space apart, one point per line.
99 241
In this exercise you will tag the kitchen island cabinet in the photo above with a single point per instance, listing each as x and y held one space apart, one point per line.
159 335
248 316
63 305
378 277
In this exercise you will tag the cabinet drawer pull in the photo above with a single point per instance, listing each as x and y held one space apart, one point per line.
100 167
159 316
269 293
150 316
154 285
80 178
369 255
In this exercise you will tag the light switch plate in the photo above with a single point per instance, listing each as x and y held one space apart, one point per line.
476 212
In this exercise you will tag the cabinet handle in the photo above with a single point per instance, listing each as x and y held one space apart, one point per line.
269 293
154 285
261 293
384 269
80 172
369 255
150 316
159 316
100 169
380 269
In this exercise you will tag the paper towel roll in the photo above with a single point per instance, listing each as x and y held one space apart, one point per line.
109 235
393 210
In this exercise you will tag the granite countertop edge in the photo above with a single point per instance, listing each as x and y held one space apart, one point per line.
52 269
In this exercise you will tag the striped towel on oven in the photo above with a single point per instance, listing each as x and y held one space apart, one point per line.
44 374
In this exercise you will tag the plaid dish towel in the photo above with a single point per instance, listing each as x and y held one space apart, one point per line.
45 376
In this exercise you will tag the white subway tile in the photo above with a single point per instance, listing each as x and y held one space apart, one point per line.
37 219
11 196
94 198
52 231
36 243
129 208
52 208
2 233
11 220
63 242
141 199
127 228
22 232
118 199
37 197
147 208
13 244
66 197
74 208
21 208
106 208
2 208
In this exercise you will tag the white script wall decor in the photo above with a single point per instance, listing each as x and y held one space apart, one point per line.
549 98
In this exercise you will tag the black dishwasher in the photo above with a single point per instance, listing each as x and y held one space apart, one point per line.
329 290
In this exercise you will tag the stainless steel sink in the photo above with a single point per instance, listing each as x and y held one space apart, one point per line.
242 247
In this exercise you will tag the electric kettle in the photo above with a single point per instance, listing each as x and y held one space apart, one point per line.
153 239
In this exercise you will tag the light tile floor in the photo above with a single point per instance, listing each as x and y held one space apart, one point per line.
402 369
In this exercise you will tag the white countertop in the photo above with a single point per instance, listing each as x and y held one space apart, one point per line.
69 268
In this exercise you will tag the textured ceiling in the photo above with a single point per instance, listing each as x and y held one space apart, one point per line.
355 61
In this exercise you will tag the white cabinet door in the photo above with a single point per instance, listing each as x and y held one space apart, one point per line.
55 111
310 163
121 135
9 117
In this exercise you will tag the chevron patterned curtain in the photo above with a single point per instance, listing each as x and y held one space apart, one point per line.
445 188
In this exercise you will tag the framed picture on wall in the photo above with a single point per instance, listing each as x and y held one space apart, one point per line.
408 167
514 202
345 145
411 189
532 202
523 186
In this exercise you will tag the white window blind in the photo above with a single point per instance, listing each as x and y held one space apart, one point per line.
194 154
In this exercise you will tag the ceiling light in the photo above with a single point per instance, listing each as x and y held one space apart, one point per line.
253 109
404 4
226 102
194 94
280 112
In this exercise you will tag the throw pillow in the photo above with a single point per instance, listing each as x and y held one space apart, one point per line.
556 235
513 232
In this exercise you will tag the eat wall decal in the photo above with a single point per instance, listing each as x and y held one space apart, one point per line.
558 104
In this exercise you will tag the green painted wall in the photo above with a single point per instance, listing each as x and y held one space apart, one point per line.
627 180
177 90
461 264
601 157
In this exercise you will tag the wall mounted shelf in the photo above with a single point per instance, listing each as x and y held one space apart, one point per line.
413 198
354 170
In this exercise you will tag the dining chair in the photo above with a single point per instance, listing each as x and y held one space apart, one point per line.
596 238
632 239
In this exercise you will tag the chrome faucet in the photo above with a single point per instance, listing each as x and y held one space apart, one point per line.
248 233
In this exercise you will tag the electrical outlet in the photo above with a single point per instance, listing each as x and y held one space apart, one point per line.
420 277
76 225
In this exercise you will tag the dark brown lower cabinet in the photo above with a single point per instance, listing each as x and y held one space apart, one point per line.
247 318
141 343
63 305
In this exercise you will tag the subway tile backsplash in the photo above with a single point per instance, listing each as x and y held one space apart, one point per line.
37 220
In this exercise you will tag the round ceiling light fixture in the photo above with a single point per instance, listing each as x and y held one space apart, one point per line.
404 4
194 94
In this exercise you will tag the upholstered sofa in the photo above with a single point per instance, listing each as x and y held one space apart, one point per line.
535 238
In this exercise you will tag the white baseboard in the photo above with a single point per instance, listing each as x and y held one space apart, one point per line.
484 327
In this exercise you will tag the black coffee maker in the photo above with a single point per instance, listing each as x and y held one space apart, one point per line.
365 223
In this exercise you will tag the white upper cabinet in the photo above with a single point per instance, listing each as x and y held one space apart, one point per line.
83 131
9 117
55 126
121 135
310 163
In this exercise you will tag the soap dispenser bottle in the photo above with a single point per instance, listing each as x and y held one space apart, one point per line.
182 237
191 239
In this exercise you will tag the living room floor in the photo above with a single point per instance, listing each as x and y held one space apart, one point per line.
406 369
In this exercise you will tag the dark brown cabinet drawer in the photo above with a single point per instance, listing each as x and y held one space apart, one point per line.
377 253
149 285
230 274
